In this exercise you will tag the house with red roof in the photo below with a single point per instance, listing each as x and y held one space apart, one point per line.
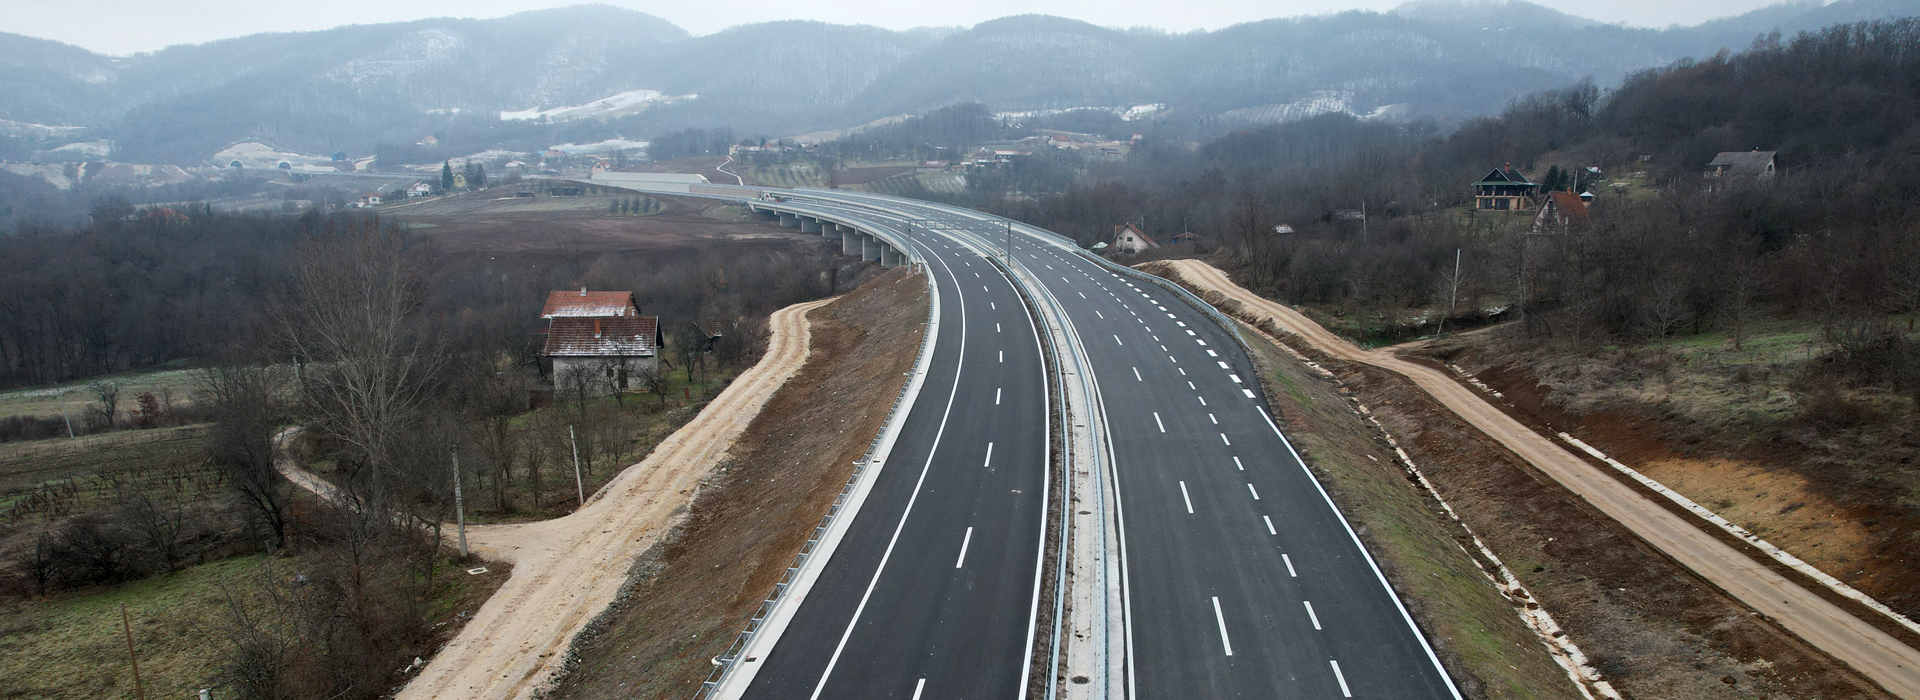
1129 239
598 340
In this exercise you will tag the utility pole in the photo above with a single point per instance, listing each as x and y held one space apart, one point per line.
1453 301
139 691
1007 249
579 485
459 504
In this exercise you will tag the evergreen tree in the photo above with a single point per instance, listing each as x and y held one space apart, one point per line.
613 208
446 176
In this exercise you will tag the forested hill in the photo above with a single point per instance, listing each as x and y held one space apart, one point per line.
354 87
1666 250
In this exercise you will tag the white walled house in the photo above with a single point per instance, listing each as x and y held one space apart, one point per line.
598 338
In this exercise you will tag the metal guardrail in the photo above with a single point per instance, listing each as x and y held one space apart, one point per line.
1026 282
725 663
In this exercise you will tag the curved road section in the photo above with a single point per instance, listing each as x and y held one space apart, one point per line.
1239 576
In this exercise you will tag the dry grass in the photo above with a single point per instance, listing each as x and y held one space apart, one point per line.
1817 466
43 479
71 645
74 397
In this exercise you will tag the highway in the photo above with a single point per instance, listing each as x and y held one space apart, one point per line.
1238 575
932 590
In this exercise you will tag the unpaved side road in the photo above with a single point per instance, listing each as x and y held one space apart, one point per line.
567 570
1875 654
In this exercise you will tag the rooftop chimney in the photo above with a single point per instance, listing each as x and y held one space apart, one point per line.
596 328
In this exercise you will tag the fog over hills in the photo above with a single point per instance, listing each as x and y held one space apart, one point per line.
354 87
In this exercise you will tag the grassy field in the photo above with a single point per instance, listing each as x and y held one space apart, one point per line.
71 645
74 397
43 479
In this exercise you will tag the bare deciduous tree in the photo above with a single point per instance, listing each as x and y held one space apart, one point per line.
351 320
246 405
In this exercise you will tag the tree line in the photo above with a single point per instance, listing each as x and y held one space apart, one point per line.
1378 211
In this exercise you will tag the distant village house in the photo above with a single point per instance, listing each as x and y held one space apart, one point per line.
1561 212
1754 164
1130 239
420 189
596 341
1504 189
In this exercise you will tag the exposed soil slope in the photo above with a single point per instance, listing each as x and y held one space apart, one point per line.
695 591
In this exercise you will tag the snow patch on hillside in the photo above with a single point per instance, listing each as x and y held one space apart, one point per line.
410 54
30 130
1314 104
75 152
629 102
606 147
1124 113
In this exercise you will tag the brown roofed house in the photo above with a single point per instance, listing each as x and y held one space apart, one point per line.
1755 164
596 340
1130 239
1561 212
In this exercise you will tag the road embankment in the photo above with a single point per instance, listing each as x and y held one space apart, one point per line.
695 590
1662 608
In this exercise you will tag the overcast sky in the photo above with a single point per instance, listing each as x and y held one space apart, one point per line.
128 26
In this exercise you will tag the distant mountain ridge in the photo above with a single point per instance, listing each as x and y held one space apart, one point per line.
355 86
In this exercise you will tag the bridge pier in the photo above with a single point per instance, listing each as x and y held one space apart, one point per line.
850 243
890 257
789 220
832 231
870 251
809 225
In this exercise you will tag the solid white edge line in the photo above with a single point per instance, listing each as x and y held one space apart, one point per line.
1222 621
1046 503
1391 594
735 683
964 541
1185 498
960 365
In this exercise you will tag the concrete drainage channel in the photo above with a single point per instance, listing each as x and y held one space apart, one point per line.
735 669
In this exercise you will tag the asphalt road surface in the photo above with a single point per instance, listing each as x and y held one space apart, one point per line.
1240 576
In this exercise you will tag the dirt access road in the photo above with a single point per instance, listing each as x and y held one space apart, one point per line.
568 569
1875 654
